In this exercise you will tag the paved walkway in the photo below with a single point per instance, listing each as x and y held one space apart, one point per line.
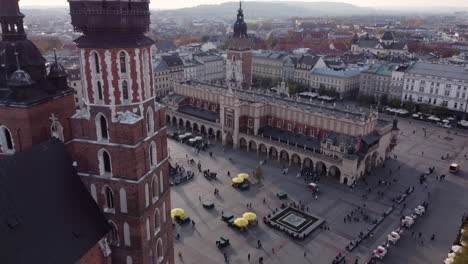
336 201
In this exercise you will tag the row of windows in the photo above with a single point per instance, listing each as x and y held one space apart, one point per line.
123 61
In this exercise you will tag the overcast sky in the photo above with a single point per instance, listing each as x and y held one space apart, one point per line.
165 4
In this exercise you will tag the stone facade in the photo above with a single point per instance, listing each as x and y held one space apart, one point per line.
343 144
436 84
345 83
376 81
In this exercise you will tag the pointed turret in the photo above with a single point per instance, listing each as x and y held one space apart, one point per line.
11 21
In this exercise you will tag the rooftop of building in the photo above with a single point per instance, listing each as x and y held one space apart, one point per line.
439 70
336 109
207 57
199 113
382 69
54 210
172 60
160 66
347 73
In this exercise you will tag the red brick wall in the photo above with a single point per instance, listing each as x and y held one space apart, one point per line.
132 70
31 126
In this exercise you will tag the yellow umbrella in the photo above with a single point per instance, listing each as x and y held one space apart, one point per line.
243 176
250 216
177 212
241 222
237 180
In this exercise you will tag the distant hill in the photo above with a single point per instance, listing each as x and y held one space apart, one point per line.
270 9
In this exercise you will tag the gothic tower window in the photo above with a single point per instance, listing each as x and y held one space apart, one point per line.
123 62
109 199
101 127
146 74
97 67
113 236
127 236
125 90
149 121
155 188
6 141
99 90
159 251
106 160
157 221
153 154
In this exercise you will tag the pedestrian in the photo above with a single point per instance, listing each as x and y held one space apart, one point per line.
259 244
422 153
193 223
264 200
356 261
433 237
180 253
199 198
305 254
250 205
225 258
420 235
229 174
247 205
260 260
248 257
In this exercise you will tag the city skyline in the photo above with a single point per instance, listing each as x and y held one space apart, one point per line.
397 4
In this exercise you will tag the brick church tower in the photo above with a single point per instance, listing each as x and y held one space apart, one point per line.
239 55
119 137
35 105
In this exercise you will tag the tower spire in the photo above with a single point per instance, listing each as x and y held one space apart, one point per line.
11 21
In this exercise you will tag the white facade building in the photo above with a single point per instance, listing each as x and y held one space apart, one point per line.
437 84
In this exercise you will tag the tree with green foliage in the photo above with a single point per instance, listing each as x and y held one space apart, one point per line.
365 99
259 173
383 99
395 103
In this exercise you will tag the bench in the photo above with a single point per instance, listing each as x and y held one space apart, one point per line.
208 205
244 186
227 216
282 195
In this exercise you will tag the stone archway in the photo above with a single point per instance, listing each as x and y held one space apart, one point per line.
252 146
181 123
320 168
374 159
211 132
367 164
387 152
243 144
229 140
273 153
262 150
203 130
174 121
284 156
334 173
218 135
295 160
168 119
195 128
188 126
308 164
